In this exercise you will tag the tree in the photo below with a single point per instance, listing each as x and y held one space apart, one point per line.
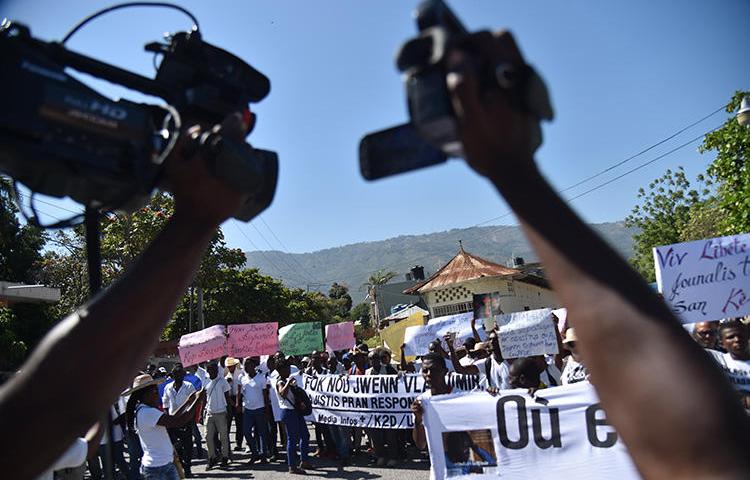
731 170
380 277
21 325
341 298
671 211
361 312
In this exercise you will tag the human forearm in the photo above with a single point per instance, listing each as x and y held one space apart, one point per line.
627 336
103 340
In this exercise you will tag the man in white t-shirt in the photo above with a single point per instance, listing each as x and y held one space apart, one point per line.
233 374
176 394
217 399
574 370
733 336
252 397
434 372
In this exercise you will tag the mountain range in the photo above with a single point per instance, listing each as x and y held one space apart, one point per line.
353 264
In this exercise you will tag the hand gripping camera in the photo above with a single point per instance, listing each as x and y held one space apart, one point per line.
431 137
61 138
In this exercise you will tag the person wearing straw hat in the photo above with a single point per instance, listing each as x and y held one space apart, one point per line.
143 416
234 375
574 370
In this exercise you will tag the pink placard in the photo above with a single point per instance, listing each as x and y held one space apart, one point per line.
253 339
340 336
207 344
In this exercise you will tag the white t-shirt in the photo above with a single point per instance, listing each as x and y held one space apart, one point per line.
286 403
216 402
738 371
116 429
157 448
551 375
499 373
173 399
73 457
448 365
573 372
252 391
203 376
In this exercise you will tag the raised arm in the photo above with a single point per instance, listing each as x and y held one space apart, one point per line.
464 370
107 340
671 405
474 330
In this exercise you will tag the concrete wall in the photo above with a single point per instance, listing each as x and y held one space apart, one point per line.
515 296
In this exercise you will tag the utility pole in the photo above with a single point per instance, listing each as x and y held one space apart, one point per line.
201 320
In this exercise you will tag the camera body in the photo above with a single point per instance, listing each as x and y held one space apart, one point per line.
60 137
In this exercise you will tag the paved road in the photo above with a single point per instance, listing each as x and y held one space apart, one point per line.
414 468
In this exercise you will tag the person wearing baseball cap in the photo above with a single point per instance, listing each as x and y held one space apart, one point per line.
150 423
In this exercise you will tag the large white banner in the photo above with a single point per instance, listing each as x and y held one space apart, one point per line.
372 401
418 338
559 433
707 279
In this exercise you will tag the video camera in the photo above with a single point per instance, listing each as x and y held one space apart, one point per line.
62 138
431 136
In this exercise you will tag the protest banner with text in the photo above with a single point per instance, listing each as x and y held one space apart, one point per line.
253 339
340 336
524 334
204 345
301 338
372 401
561 432
418 338
705 280
393 336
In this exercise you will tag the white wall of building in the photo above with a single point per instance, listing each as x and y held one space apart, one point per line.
516 296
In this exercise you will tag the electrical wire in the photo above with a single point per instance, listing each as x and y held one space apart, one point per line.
286 248
289 267
263 254
120 6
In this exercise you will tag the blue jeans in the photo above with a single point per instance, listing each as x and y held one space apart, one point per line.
165 472
258 441
296 433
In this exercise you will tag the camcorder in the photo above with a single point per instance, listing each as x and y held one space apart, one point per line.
431 136
59 137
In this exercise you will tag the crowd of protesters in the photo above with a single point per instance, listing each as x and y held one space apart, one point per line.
159 424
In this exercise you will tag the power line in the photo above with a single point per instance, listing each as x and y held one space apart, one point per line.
237 225
620 163
288 266
286 248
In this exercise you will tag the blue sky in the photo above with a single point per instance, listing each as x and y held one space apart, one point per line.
623 75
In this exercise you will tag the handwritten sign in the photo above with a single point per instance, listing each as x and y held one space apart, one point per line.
300 338
524 334
705 280
340 336
204 345
253 339
417 339
393 336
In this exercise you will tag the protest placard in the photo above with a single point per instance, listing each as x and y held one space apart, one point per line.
524 334
340 336
373 401
562 318
705 280
393 336
486 306
418 338
253 339
300 338
204 345
516 436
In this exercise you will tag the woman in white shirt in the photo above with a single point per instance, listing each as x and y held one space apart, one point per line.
296 429
151 425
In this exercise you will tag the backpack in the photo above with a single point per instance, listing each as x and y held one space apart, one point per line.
302 403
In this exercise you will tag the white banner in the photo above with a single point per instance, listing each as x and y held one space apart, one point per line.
560 433
707 279
418 338
372 401
525 334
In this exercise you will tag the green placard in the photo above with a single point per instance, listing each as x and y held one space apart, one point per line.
301 338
